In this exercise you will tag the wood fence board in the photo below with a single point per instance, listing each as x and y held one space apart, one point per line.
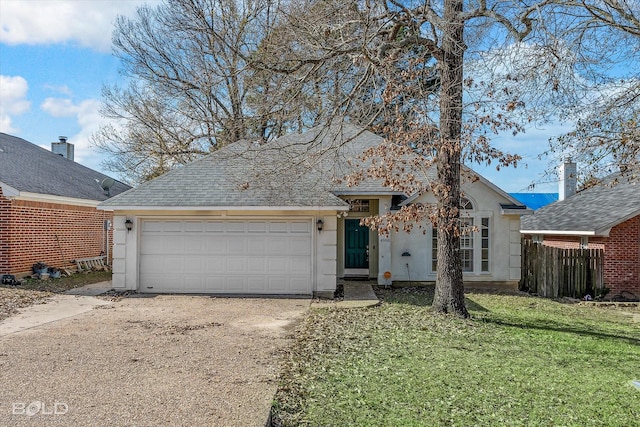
555 272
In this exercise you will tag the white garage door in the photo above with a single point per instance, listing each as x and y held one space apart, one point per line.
226 256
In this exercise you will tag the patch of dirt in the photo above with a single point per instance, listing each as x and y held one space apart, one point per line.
12 299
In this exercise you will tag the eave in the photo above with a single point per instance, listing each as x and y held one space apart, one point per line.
222 208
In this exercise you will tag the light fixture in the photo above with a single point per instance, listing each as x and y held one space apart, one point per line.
319 224
128 224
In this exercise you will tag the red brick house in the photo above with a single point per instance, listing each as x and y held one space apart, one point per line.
605 216
48 207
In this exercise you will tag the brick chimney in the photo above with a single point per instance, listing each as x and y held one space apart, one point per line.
568 174
63 148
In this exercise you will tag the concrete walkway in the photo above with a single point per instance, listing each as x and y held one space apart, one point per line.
92 290
358 295
60 306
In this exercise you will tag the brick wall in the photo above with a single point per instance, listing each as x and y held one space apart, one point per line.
622 258
4 233
55 234
573 242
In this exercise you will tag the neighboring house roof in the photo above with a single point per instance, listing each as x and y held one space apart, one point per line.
590 212
296 171
28 168
535 200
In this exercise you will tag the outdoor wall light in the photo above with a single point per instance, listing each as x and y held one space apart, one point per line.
128 224
319 224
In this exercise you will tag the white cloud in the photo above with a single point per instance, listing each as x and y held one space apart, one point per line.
89 119
13 93
86 23
64 89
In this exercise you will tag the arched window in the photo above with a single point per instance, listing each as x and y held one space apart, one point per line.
474 245
465 204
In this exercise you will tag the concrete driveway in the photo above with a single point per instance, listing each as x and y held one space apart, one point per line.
152 361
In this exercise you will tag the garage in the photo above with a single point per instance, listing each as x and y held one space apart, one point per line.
226 256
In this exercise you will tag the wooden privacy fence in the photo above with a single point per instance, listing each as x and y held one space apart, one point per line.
556 272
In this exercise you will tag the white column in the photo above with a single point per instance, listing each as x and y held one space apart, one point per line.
384 248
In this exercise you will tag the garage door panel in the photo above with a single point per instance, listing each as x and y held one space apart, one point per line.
192 284
277 266
162 283
257 227
152 264
277 245
300 265
278 226
194 265
300 227
214 227
298 284
237 245
256 265
173 226
194 244
277 285
215 245
151 226
300 246
236 284
235 265
193 226
256 284
213 265
236 226
226 256
257 245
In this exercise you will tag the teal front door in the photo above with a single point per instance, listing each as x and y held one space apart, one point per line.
356 244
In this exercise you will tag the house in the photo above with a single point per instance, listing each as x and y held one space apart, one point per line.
48 206
275 219
605 216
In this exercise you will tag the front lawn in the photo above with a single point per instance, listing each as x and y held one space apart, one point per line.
521 361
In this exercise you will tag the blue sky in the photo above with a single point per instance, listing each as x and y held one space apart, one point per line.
55 57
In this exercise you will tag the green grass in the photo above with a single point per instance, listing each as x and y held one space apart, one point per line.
520 361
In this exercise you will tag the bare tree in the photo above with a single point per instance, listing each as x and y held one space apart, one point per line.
412 54
191 91
606 139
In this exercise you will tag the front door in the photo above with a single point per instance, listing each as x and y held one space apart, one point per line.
356 245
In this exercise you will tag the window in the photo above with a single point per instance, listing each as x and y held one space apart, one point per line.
434 249
474 245
484 236
465 204
358 205
466 243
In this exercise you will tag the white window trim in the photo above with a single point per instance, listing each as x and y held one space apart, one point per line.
477 217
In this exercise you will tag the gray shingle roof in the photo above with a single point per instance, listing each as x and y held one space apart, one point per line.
590 212
296 170
28 168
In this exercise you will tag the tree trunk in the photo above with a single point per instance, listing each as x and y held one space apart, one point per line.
449 293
